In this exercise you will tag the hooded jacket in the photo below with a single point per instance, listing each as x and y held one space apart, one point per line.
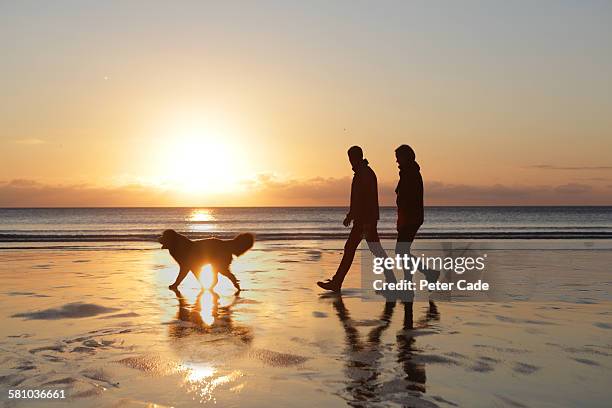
410 194
364 195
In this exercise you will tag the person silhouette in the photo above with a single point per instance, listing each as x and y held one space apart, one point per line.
410 214
364 214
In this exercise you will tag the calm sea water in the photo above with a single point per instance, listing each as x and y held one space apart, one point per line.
145 224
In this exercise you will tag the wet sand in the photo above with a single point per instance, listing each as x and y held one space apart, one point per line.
102 325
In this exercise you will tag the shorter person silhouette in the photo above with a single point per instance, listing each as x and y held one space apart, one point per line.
364 214
409 201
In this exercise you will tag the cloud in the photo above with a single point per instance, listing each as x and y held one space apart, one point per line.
23 183
270 190
438 193
31 193
315 191
335 191
573 188
551 167
595 179
30 141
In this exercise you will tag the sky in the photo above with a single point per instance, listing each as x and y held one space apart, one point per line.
138 103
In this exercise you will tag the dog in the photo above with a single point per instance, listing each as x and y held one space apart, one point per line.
193 255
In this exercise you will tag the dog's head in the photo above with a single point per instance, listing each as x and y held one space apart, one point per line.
168 238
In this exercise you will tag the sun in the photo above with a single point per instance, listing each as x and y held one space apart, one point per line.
201 164
201 160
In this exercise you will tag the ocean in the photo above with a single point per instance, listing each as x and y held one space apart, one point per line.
293 223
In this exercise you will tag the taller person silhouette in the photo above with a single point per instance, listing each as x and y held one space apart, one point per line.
364 214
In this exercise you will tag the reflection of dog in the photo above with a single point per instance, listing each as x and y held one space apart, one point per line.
193 255
207 315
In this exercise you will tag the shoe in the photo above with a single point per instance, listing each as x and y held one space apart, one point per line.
329 284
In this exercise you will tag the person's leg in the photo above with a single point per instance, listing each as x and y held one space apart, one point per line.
373 241
355 237
335 283
405 237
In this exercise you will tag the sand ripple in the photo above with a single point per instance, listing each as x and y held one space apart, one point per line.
276 359
67 311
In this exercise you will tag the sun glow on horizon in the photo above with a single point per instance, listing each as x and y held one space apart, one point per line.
199 159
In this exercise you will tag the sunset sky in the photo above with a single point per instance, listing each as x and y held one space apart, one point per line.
255 103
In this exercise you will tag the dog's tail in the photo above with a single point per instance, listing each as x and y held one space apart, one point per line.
242 243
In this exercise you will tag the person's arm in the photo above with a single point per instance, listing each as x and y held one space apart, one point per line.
419 197
350 215
403 191
371 197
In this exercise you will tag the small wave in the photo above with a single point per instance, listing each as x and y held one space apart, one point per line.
283 236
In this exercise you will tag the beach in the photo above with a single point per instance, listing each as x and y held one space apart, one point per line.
100 323
305 204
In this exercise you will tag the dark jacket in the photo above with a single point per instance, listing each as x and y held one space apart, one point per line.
410 195
364 195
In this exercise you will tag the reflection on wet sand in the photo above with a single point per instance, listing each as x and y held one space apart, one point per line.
205 335
363 366
487 354
209 314
415 372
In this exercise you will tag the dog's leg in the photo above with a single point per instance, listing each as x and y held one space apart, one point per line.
182 273
215 279
232 277
197 272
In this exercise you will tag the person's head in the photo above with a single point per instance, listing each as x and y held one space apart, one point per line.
404 155
355 155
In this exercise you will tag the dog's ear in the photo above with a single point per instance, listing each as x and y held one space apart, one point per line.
166 238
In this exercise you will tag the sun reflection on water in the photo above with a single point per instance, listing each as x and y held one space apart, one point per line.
195 373
224 286
209 308
207 338
201 215
202 219
202 380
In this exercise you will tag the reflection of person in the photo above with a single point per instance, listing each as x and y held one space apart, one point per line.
363 365
363 358
364 214
409 205
406 350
